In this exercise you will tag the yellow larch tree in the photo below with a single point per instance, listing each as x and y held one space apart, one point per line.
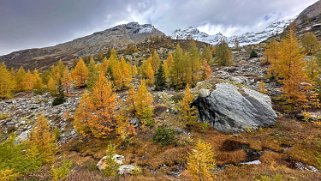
195 65
271 55
93 73
292 68
178 68
207 70
144 104
187 113
155 61
95 113
124 129
28 81
103 67
19 77
130 100
7 82
104 102
148 73
201 162
38 84
66 81
134 70
166 69
80 73
122 75
43 140
52 86
83 114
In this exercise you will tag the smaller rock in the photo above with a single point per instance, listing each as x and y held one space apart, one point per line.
126 169
23 136
117 158
255 162
204 93
134 122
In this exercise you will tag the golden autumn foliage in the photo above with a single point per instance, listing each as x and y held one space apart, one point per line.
122 74
83 114
147 72
177 70
223 54
187 67
103 67
43 140
96 111
154 60
93 73
130 100
19 77
187 113
52 86
28 81
271 55
80 73
194 71
134 70
66 81
290 68
38 84
166 69
143 101
201 162
7 82
124 129
292 64
207 70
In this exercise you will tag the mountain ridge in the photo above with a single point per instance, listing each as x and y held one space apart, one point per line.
116 37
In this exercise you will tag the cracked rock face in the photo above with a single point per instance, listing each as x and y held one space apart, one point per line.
232 109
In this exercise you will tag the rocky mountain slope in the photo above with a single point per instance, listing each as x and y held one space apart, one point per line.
244 39
117 37
310 20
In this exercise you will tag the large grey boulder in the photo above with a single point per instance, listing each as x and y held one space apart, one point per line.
233 109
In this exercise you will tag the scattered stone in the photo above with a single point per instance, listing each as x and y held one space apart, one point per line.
126 169
255 162
117 158
204 93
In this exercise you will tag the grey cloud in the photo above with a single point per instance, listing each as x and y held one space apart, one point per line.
38 23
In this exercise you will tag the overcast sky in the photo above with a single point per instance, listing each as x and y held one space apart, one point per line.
38 23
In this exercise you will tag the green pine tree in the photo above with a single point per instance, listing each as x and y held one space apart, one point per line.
160 80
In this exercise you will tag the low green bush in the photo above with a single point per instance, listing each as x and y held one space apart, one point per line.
62 171
58 101
254 54
165 136
18 157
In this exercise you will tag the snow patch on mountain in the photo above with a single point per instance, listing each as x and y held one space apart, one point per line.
244 39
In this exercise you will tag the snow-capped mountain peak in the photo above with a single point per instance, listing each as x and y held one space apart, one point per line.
244 39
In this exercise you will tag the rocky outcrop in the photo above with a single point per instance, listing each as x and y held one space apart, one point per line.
233 109
310 20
